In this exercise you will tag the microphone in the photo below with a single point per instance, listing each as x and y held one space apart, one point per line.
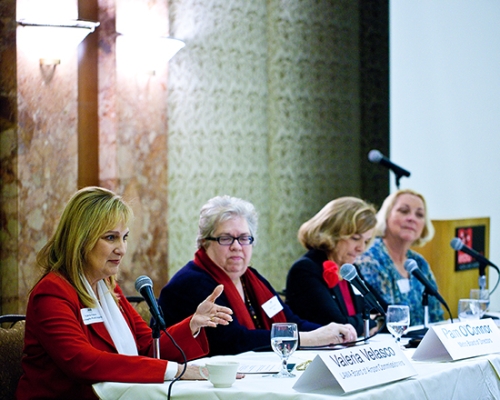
144 285
412 267
377 157
349 273
458 245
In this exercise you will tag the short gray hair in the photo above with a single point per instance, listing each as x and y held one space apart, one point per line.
222 208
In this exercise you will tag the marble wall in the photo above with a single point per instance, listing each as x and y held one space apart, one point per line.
9 188
40 152
137 157
47 151
273 101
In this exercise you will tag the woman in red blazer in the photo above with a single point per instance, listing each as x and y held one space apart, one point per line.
80 329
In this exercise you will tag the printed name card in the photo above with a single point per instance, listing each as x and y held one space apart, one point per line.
356 368
458 340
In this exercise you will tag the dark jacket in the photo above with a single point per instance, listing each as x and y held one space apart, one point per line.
191 285
309 297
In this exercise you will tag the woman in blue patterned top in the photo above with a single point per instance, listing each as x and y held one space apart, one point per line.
402 222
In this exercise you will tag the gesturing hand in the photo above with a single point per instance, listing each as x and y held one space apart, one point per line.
210 314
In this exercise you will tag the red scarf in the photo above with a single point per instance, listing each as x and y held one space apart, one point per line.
255 287
331 277
346 294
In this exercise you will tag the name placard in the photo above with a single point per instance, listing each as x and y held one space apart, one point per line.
356 368
455 341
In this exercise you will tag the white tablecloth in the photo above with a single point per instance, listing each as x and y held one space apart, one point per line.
474 378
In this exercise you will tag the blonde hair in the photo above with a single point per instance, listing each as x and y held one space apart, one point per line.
339 219
89 213
386 209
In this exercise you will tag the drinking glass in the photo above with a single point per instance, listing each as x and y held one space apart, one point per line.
483 295
397 320
468 309
284 341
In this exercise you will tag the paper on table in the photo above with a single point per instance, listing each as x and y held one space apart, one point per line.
325 347
259 368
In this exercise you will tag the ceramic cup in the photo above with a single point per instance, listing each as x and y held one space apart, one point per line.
221 373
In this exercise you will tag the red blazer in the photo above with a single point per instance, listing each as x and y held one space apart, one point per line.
63 357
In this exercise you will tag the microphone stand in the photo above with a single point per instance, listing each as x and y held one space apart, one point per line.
398 178
366 320
420 333
482 276
155 327
425 303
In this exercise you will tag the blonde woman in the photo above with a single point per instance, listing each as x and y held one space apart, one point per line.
402 222
80 329
335 236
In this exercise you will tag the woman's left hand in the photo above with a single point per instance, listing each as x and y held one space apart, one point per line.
210 314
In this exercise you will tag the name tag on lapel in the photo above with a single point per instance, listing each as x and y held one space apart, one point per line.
91 316
272 307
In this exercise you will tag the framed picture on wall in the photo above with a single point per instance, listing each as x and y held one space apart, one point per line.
473 237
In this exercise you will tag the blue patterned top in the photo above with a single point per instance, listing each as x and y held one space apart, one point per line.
378 269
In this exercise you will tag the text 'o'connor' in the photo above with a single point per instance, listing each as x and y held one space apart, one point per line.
466 330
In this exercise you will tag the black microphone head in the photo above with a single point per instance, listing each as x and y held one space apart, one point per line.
456 244
348 272
411 265
142 281
375 156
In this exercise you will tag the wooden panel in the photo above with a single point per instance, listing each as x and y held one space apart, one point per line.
88 127
453 285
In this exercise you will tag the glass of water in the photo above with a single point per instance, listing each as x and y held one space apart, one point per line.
284 341
468 309
397 320
483 295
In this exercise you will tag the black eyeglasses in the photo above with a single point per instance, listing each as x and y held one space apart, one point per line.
229 240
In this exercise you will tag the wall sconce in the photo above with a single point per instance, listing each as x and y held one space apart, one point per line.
172 46
146 54
52 41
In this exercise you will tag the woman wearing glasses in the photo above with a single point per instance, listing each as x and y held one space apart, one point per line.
226 236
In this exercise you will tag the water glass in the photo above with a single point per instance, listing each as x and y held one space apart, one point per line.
483 295
284 341
397 320
468 309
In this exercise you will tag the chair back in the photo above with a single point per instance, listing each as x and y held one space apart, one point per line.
141 307
11 350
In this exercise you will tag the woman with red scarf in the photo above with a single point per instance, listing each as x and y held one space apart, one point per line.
227 231
335 236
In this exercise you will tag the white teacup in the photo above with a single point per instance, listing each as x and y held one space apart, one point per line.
222 374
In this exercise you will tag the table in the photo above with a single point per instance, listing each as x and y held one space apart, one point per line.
473 378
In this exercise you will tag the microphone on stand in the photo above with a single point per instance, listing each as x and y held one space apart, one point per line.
412 267
144 285
458 245
377 157
349 273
